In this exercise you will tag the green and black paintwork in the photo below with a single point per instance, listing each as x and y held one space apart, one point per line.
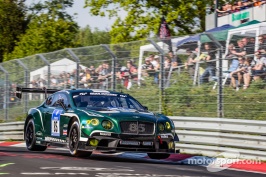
66 125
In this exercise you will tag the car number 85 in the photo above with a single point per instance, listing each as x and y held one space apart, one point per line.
135 127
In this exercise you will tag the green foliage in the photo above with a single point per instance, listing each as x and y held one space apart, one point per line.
142 19
54 9
87 37
50 29
45 35
13 23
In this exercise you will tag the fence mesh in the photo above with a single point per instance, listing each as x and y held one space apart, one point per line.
183 84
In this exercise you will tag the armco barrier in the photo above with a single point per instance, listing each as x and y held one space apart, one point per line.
203 136
11 131
213 136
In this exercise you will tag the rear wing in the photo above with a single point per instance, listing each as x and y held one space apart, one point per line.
43 90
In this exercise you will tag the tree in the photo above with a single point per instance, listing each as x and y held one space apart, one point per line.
45 35
143 17
13 23
88 37
50 29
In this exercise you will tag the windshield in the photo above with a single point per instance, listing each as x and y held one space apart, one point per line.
106 101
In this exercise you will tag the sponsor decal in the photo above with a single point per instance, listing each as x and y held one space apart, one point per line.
164 136
105 133
103 93
132 143
54 139
85 93
55 123
87 126
147 143
65 132
65 126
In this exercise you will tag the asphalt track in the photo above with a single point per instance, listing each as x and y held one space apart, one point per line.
19 162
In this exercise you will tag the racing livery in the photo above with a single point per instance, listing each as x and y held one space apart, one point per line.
85 120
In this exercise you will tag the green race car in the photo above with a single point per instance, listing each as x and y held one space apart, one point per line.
85 120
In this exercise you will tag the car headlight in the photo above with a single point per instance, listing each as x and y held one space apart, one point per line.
167 126
93 122
160 127
108 125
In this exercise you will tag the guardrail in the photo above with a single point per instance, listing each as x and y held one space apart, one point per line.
212 136
203 136
11 131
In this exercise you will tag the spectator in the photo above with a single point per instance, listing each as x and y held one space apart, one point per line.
210 69
247 4
190 63
167 63
249 47
240 51
258 69
222 10
82 81
175 60
231 52
124 76
153 62
147 65
258 2
70 81
238 73
54 82
247 73
262 44
104 74
133 73
93 82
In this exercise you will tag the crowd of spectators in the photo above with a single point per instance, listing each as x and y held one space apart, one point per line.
246 63
88 77
226 7
101 76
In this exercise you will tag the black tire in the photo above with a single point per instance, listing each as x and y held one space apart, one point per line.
158 155
30 138
74 134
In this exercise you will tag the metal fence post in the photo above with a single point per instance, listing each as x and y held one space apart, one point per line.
6 96
26 75
196 73
49 68
78 62
105 46
162 72
220 76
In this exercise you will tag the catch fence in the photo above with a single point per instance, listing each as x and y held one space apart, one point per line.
174 88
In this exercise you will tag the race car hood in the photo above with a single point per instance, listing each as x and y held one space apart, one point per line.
127 115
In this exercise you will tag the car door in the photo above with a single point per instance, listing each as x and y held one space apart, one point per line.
53 117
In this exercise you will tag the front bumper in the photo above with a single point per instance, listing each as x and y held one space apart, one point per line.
111 142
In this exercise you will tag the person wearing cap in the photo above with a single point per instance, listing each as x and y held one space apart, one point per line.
147 65
260 63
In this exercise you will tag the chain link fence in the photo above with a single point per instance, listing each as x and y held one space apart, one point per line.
183 84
